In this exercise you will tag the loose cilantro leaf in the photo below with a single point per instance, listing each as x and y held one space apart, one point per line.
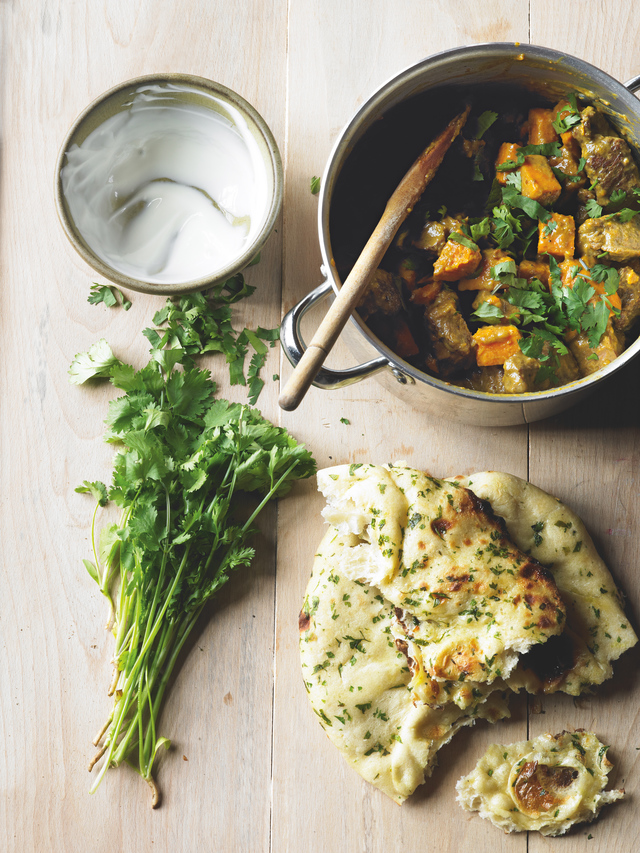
315 185
96 363
616 196
457 237
97 489
532 208
561 125
488 312
480 229
109 294
485 120
593 208
200 323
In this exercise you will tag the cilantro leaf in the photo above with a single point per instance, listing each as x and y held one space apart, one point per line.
485 120
315 185
109 295
457 237
489 312
96 363
593 208
97 489
561 125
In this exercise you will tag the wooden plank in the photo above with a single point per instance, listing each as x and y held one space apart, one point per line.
589 457
54 652
337 58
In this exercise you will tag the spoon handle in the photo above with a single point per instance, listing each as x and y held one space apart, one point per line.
401 203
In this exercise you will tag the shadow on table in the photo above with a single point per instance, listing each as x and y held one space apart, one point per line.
616 404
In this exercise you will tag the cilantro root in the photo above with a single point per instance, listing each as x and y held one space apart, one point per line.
183 460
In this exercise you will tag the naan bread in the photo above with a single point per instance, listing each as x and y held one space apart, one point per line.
597 631
468 601
359 682
546 784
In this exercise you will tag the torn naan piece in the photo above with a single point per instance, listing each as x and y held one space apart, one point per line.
358 682
468 601
596 631
546 784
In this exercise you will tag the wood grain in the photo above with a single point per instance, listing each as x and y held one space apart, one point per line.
250 769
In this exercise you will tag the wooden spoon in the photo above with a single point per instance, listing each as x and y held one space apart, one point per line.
401 203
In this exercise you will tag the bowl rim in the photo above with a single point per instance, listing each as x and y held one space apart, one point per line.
341 147
204 282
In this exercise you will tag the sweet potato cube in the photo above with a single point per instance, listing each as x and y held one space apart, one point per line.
534 269
404 342
538 180
557 237
482 280
508 151
541 127
425 294
495 344
456 261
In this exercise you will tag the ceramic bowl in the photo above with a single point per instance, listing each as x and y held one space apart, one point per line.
201 93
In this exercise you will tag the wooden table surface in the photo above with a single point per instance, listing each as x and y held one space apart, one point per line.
250 769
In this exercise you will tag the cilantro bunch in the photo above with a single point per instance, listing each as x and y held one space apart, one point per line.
185 462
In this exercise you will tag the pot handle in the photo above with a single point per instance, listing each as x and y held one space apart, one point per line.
634 84
294 346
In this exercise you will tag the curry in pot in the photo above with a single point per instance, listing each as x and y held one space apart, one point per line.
519 270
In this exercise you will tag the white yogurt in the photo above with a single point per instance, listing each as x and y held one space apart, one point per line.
168 191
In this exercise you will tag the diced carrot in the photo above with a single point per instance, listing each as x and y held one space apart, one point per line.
456 261
534 269
405 344
508 151
495 344
482 280
557 237
427 293
538 181
541 127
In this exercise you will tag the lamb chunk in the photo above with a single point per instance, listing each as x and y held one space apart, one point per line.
432 238
567 369
486 379
381 297
519 373
609 348
451 341
620 240
629 293
609 161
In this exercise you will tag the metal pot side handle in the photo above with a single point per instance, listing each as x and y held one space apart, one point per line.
634 84
294 346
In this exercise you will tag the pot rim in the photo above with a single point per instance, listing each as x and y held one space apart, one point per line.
371 106
238 264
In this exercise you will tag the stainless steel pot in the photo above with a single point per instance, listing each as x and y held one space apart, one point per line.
533 68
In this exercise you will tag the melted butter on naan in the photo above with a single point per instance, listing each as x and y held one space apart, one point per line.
468 601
